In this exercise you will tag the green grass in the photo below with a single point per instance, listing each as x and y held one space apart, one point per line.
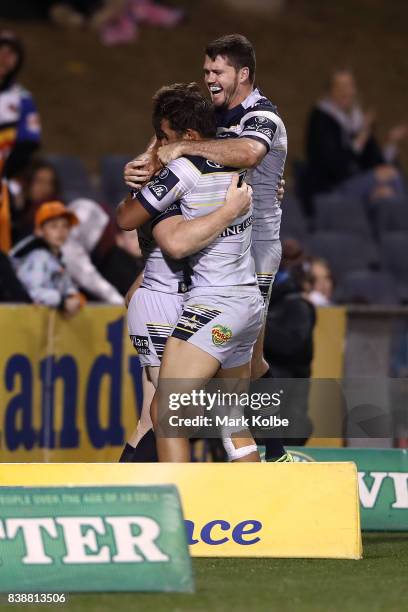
377 583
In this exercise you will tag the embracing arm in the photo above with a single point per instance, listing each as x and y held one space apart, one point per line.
234 152
130 214
154 198
179 237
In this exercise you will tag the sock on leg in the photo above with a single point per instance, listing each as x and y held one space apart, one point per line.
274 448
145 451
127 454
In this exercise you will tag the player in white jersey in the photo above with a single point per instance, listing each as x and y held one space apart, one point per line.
260 143
156 306
224 312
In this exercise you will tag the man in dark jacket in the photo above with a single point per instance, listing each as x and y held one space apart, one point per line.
341 147
288 347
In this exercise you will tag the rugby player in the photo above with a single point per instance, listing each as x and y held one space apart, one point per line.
155 308
260 143
223 313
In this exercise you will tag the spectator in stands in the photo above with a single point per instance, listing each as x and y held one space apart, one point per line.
342 152
288 346
321 282
38 260
39 183
93 257
93 252
20 129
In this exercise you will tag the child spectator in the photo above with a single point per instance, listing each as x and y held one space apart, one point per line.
38 260
322 285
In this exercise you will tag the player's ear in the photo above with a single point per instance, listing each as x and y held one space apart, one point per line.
244 74
191 135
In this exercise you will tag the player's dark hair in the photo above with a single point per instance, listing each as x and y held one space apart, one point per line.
185 108
237 50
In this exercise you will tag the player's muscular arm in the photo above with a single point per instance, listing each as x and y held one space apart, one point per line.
130 214
169 186
237 153
179 237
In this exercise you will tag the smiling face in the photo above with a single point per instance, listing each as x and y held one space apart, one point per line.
228 87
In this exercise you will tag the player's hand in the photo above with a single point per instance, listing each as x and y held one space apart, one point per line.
281 189
140 170
170 152
239 199
72 305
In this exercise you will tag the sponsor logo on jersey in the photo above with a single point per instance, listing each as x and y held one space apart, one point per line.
233 230
164 173
220 334
141 344
159 191
163 183
213 164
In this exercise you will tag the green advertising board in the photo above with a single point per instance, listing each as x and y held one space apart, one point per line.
382 478
102 538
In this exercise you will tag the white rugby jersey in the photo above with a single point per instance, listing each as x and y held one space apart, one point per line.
256 117
162 273
200 186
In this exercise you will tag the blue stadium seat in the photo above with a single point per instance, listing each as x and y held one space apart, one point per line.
394 249
341 214
368 287
112 184
293 224
75 181
344 251
391 216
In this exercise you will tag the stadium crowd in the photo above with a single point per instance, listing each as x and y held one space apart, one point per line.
344 229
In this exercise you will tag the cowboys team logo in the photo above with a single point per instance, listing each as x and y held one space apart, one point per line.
261 124
220 334
264 125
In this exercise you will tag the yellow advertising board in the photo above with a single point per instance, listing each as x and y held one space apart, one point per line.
237 510
70 389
